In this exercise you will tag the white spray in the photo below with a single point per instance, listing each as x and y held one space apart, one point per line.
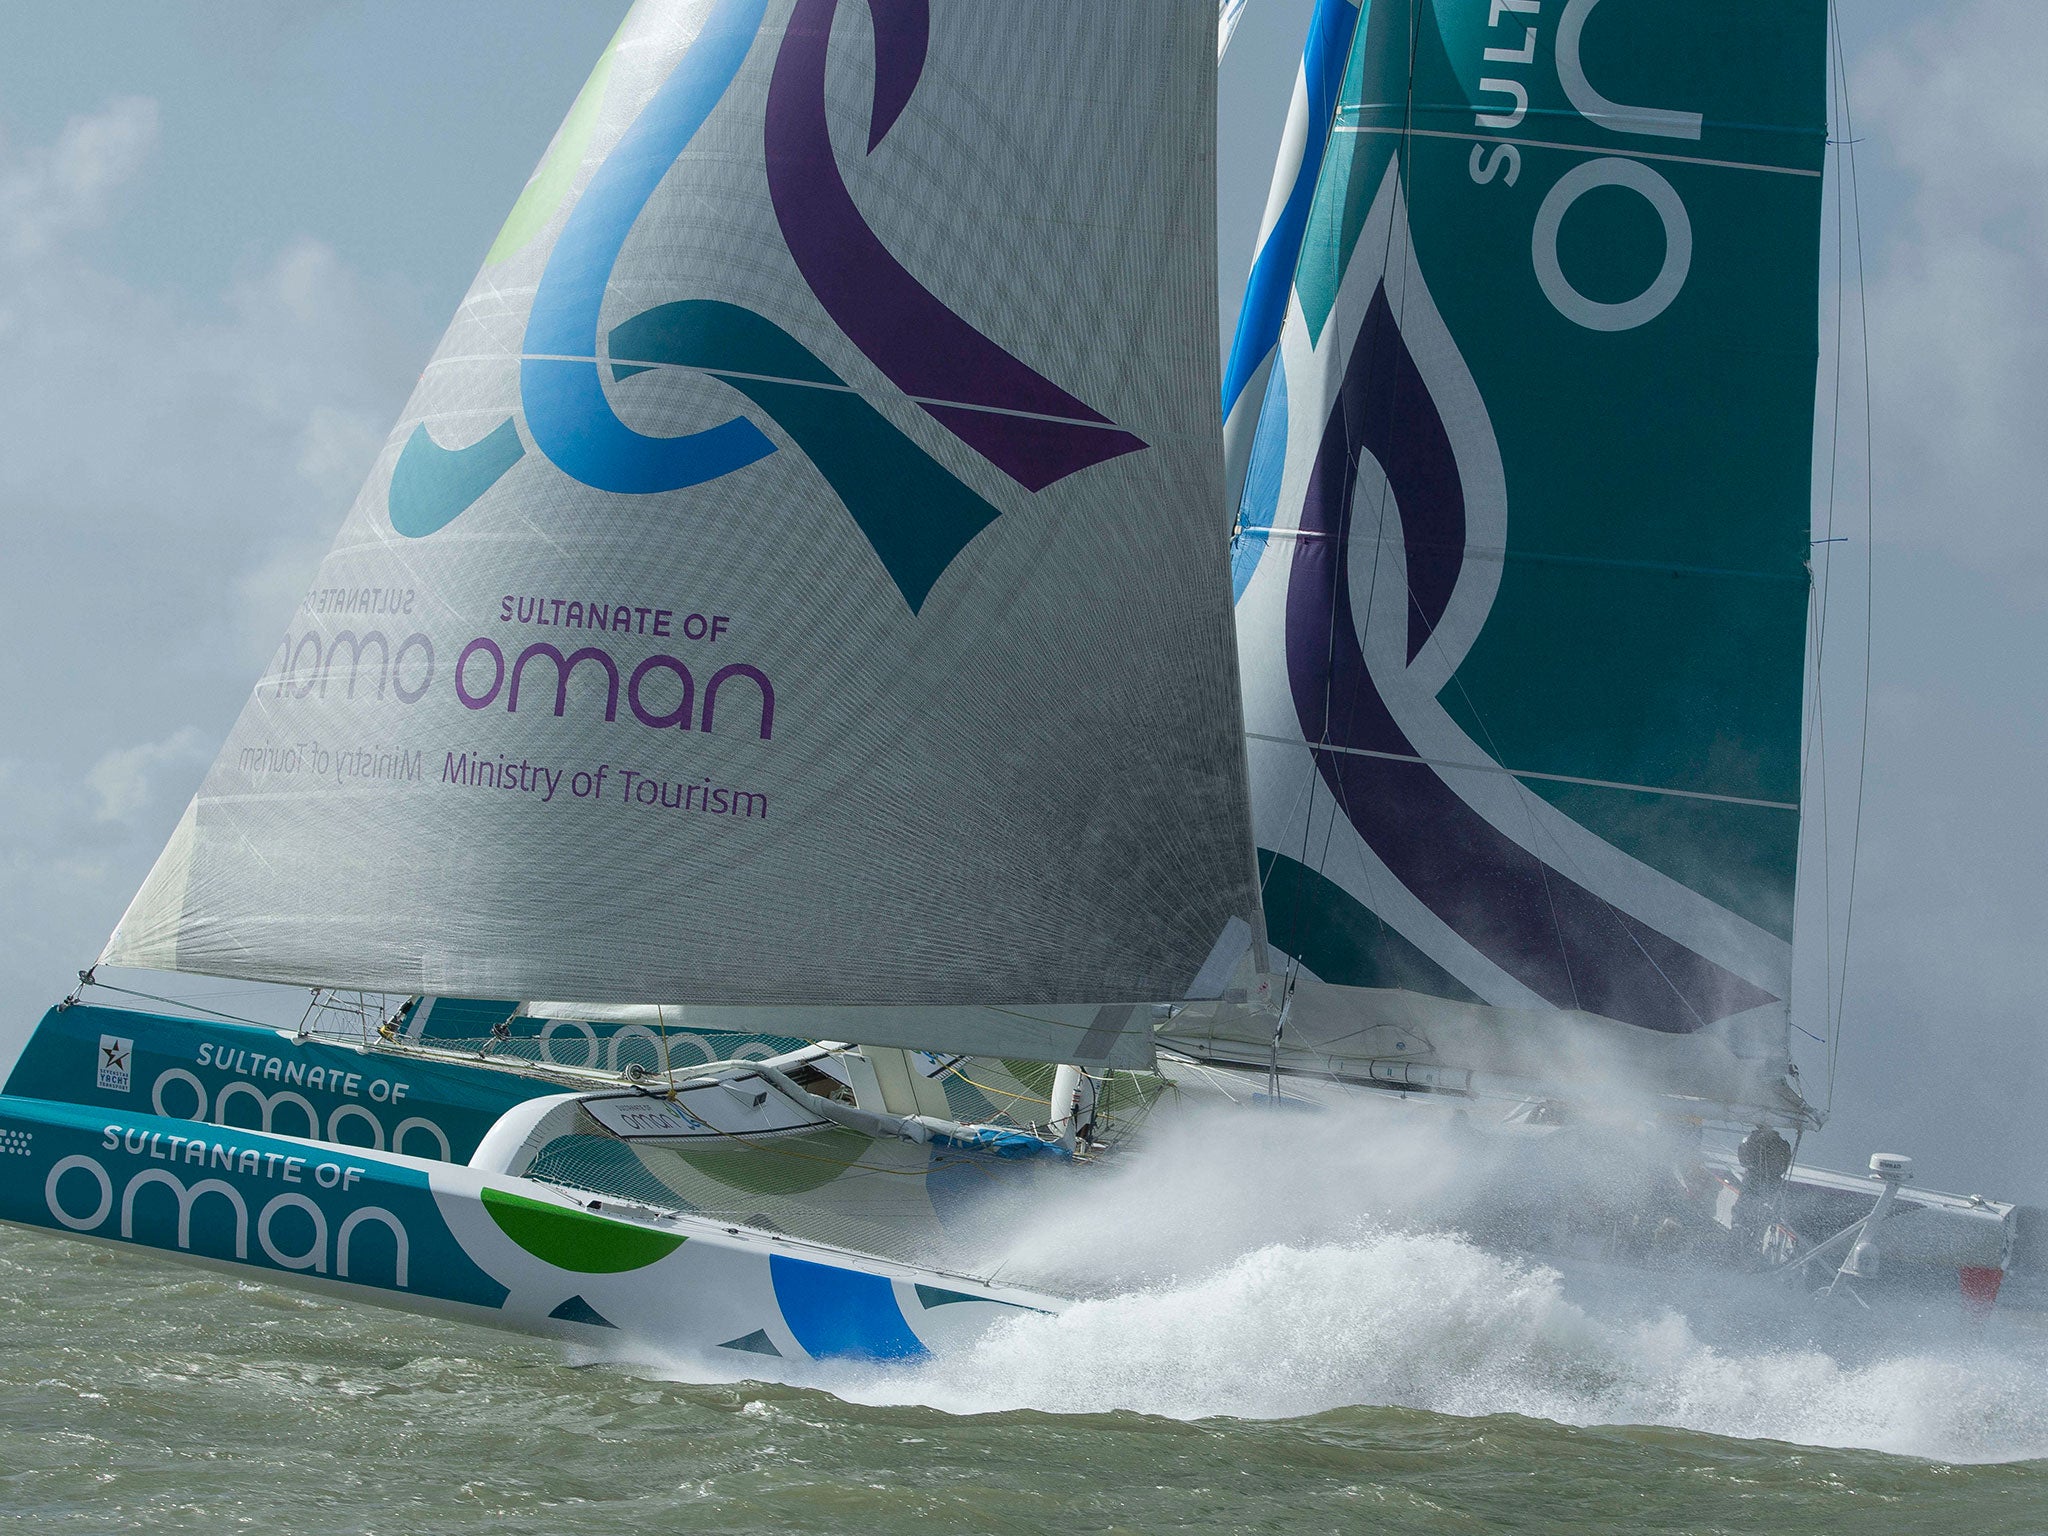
1271 1265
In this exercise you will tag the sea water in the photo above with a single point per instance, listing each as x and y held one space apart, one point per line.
1326 1351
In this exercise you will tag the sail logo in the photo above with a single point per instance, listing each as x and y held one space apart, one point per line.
115 1055
285 1111
291 1229
1504 104
1403 510
659 690
916 515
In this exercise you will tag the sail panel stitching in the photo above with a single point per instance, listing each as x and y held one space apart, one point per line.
1602 150
1529 773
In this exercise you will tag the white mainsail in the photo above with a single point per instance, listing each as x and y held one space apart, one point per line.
795 578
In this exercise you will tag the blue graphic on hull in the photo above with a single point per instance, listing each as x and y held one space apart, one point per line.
842 1312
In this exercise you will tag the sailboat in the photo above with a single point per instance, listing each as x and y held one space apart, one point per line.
799 591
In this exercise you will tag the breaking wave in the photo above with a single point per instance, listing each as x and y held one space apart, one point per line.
1247 1271
1430 1321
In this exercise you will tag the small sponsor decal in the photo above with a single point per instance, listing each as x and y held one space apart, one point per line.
115 1055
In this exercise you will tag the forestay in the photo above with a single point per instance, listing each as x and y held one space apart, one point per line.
795 577
1522 551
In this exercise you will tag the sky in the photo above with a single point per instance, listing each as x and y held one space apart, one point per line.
231 232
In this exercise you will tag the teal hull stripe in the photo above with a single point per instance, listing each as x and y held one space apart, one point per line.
244 1077
234 1196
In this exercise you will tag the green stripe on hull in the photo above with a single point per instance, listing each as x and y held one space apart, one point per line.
576 1240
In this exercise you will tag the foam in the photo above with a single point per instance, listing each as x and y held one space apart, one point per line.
1430 1321
1286 1267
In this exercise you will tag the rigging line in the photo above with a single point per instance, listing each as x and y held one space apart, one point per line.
713 372
1818 601
1537 557
1827 872
998 1093
1548 778
232 1018
1869 566
1588 149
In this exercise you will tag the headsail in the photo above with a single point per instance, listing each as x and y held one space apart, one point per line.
795 578
1522 622
1228 14
1331 29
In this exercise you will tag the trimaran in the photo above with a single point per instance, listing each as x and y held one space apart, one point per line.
798 591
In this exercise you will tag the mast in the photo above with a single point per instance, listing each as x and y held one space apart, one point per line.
1523 596
795 579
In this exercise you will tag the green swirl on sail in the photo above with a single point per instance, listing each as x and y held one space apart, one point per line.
551 181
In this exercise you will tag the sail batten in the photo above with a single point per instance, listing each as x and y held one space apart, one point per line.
1521 566
794 581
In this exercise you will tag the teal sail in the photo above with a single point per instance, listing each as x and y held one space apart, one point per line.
1522 633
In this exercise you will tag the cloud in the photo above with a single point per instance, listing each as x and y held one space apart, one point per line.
1959 334
172 466
127 779
1940 1051
48 193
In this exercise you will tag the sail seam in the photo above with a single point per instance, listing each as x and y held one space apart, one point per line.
1601 150
1526 773
1494 552
777 378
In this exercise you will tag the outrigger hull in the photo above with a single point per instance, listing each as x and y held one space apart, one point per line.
178 1137
442 1238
